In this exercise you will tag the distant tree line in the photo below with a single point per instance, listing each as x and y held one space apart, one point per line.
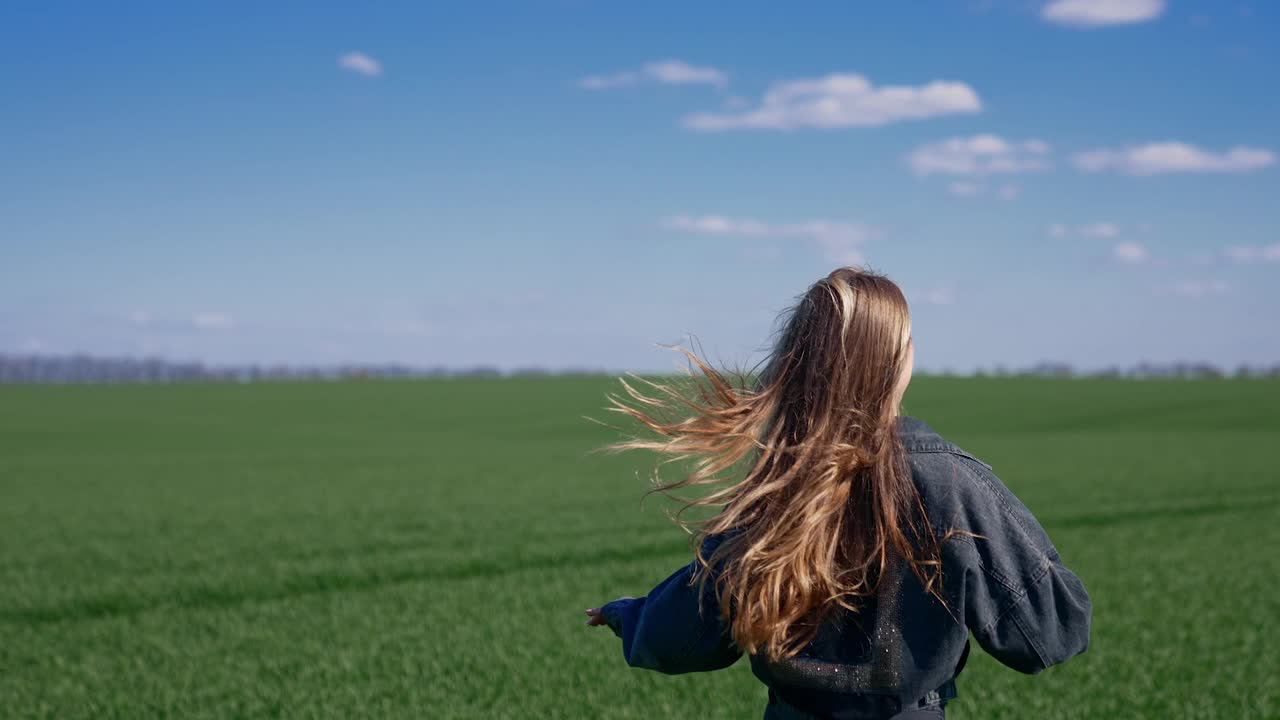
82 368
1176 370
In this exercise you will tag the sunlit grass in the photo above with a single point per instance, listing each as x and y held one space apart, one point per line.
425 549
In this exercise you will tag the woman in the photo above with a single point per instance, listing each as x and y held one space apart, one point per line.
859 549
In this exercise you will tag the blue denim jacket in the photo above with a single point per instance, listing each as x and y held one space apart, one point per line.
1008 588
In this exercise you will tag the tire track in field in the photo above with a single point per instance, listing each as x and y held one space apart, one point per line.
202 596
293 546
1136 515
205 596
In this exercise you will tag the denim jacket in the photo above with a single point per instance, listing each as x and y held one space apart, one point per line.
1009 588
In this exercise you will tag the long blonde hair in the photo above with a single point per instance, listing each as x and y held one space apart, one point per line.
827 501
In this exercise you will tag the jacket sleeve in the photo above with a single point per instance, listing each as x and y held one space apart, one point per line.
664 631
1023 605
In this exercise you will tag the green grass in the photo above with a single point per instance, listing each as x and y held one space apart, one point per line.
425 549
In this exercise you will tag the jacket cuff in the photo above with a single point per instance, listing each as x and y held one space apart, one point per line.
617 614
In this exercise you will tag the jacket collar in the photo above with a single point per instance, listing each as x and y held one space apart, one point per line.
918 436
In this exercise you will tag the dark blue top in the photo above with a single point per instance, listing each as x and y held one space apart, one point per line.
1008 588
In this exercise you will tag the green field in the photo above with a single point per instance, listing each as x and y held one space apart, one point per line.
426 549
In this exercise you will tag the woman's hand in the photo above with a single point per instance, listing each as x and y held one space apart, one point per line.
595 617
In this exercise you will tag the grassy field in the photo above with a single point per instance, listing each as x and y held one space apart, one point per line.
426 549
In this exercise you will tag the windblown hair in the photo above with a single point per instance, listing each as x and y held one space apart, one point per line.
827 502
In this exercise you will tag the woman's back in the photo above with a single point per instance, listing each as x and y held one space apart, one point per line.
903 649
858 551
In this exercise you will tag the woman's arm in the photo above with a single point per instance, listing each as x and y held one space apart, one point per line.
1023 605
672 630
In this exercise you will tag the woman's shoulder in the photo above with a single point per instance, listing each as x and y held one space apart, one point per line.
919 439
944 472
955 483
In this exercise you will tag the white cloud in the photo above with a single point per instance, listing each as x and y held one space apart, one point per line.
1160 158
358 62
1195 288
718 225
678 72
1102 230
1253 254
978 156
1131 252
666 72
965 189
839 241
1096 230
969 189
1101 13
213 321
842 100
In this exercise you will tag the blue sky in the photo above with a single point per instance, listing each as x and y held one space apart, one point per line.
569 183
